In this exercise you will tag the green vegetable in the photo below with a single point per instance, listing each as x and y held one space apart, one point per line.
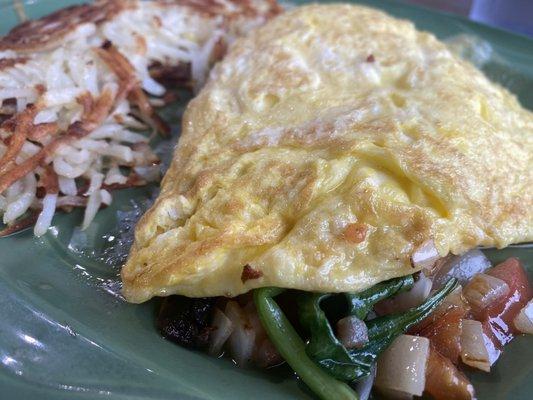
361 303
351 365
323 346
292 348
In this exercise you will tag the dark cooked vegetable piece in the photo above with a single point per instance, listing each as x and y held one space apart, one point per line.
186 320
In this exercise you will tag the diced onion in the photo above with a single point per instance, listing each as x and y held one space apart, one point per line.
473 350
222 328
242 339
524 320
401 369
266 354
352 332
254 321
462 267
425 256
454 300
483 290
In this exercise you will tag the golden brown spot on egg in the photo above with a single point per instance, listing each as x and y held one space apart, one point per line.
355 233
233 206
250 273
219 50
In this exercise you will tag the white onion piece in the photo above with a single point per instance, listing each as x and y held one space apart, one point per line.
406 300
483 290
454 299
364 386
462 267
524 320
401 369
222 328
473 350
352 332
253 321
425 256
242 339
267 355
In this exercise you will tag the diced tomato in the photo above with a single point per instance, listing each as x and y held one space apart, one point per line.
444 381
445 333
498 318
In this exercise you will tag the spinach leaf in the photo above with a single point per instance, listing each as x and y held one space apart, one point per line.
350 365
361 303
323 346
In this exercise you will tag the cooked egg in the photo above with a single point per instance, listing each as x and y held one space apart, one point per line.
325 148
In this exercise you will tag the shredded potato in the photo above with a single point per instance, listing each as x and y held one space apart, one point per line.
76 104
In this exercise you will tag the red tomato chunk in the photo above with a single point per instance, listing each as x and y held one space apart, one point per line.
444 381
498 317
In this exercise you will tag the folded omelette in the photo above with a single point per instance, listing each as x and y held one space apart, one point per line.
326 148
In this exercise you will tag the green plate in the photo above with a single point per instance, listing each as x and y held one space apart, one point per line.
65 333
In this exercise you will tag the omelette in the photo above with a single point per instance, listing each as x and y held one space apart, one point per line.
327 151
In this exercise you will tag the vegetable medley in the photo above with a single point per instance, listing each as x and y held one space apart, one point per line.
404 337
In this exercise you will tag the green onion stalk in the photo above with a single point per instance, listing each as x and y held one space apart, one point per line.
292 349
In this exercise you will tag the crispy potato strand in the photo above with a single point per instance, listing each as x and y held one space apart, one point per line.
22 125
